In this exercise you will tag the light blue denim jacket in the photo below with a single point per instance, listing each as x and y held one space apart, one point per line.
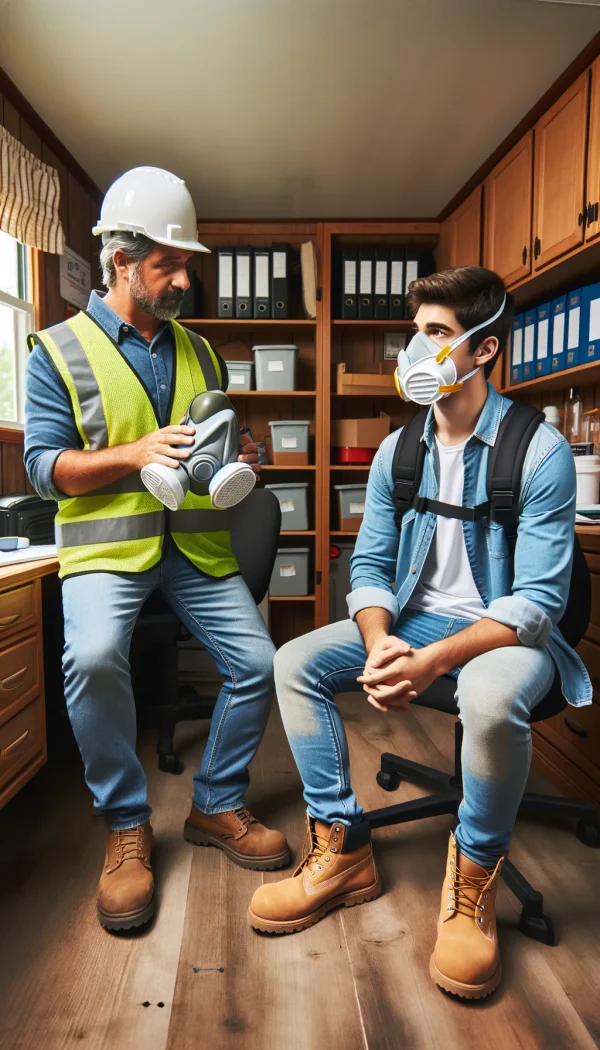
385 566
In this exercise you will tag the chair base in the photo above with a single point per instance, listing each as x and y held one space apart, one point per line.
188 707
446 799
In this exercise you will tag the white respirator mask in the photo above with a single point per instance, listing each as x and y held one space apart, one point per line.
425 374
212 468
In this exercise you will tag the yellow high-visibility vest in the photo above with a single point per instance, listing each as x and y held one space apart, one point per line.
121 527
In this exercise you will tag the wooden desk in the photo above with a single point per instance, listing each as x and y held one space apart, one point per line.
22 701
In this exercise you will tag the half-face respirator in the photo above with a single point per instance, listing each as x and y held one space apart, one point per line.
211 468
426 373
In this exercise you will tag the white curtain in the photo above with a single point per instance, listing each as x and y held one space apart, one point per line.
29 197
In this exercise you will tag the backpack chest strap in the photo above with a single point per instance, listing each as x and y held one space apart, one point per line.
424 505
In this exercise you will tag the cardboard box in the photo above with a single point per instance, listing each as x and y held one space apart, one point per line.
373 384
360 433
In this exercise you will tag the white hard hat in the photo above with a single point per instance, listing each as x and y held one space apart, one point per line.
153 202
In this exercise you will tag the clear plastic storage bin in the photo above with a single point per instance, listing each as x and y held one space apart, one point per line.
275 367
351 500
240 375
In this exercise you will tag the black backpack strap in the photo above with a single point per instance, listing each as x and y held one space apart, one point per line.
407 466
505 464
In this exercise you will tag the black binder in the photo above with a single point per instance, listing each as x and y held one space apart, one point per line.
262 282
397 263
382 283
243 282
191 304
280 273
225 282
349 284
366 265
411 272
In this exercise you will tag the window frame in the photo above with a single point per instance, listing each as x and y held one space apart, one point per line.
25 312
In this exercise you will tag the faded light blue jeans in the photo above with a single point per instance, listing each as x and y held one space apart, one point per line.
496 693
100 613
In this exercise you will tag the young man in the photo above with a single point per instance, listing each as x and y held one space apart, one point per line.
441 595
106 394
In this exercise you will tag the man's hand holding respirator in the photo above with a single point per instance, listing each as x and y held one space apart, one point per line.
166 446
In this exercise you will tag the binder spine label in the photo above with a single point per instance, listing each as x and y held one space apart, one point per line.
366 277
279 264
350 277
381 278
226 276
397 278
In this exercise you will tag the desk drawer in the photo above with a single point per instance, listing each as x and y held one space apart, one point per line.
18 610
19 673
22 739
579 727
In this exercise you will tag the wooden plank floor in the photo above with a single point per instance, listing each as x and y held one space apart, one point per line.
357 981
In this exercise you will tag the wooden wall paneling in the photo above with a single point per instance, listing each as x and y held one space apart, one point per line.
559 181
446 248
79 219
30 139
508 213
13 471
12 119
322 430
324 387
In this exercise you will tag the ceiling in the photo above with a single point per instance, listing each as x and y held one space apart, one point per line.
291 108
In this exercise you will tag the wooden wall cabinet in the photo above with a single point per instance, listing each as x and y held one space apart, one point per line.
559 184
592 198
508 205
460 235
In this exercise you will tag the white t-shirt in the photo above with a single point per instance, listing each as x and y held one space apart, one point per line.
446 586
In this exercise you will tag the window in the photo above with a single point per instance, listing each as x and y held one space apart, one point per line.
16 321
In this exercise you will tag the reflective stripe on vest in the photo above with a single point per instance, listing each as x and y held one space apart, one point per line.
120 527
110 530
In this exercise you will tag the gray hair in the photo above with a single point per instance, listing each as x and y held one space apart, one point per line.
135 246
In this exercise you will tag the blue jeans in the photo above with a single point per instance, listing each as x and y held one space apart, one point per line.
495 692
100 613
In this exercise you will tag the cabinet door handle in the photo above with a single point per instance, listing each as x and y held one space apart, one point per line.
596 212
13 747
13 680
576 728
524 256
6 621
537 248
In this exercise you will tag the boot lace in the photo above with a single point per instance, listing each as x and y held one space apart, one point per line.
128 845
466 890
314 848
245 817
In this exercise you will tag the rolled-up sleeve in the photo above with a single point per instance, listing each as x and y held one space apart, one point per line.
49 425
543 552
373 564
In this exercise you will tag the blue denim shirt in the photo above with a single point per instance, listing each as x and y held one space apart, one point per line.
386 568
49 425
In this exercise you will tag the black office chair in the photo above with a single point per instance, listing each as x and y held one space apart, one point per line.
162 702
448 787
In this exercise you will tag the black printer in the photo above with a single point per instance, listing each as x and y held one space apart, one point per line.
28 516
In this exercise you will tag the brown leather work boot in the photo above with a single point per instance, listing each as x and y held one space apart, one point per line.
126 891
466 960
240 835
337 868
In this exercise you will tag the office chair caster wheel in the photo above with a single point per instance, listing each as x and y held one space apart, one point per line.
388 781
589 834
169 763
539 928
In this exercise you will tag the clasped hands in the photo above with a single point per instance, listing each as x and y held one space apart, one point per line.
395 673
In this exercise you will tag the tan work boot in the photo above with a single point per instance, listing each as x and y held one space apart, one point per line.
126 890
466 960
337 868
240 835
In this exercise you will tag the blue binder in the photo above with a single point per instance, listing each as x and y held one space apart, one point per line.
516 351
589 343
529 334
542 340
558 333
573 338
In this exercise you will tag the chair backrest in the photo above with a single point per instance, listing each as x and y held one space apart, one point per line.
576 616
255 527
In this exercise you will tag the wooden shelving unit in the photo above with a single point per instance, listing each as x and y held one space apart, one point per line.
322 343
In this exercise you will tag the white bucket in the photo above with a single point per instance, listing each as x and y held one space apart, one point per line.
588 480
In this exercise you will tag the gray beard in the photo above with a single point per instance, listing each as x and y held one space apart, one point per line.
164 308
